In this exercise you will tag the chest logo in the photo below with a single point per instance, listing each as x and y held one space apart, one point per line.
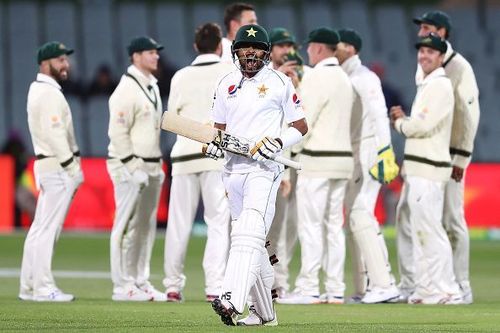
296 99
232 89
262 90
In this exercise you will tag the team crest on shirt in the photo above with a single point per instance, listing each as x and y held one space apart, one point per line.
262 91
231 90
296 100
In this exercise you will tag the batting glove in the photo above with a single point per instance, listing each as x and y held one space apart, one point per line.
265 149
212 150
386 169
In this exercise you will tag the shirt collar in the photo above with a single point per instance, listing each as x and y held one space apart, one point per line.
204 58
328 61
145 80
449 52
350 65
260 76
434 74
40 77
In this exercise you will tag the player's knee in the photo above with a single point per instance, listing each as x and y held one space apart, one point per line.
249 230
359 220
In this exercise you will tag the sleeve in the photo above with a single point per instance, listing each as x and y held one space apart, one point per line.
121 120
218 107
373 99
436 102
291 103
54 123
174 97
466 119
314 99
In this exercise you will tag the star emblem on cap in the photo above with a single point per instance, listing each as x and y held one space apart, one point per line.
251 32
262 89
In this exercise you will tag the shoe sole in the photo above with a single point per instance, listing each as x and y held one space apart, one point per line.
225 314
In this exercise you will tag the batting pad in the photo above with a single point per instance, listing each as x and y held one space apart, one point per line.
261 290
245 257
365 235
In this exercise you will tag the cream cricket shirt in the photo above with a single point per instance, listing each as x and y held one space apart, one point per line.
226 57
428 129
50 124
327 95
369 115
134 124
254 108
191 96
466 111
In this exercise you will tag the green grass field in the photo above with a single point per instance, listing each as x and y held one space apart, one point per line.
94 311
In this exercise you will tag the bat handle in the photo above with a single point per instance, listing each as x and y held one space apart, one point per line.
287 162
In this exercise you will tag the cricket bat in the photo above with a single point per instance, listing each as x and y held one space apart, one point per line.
205 133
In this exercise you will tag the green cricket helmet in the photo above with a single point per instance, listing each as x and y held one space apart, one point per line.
255 36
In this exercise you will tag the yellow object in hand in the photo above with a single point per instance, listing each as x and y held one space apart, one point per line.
386 169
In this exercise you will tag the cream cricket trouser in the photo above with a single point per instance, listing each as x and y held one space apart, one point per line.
56 193
134 229
426 257
184 197
283 234
320 219
252 199
363 231
456 227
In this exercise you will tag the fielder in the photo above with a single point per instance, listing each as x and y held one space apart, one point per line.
253 102
57 172
374 164
135 168
327 164
426 169
191 95
465 122
236 15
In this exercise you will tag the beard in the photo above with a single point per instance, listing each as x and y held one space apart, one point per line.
59 75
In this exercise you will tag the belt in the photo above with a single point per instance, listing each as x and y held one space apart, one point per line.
145 159
63 164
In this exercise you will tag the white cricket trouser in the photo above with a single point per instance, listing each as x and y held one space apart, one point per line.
283 234
320 220
252 200
456 227
134 229
361 197
56 193
424 251
184 197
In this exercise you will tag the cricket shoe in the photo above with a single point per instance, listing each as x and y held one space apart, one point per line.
355 299
404 295
466 293
381 295
415 298
254 319
175 297
299 299
211 298
132 294
156 295
26 296
228 315
331 299
55 296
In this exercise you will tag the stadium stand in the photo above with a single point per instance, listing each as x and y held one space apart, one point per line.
282 15
98 120
132 22
3 104
80 123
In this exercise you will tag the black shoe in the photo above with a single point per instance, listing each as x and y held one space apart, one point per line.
228 316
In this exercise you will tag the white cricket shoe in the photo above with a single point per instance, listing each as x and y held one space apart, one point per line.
467 294
415 298
133 294
254 319
25 296
355 299
55 296
331 299
381 295
299 299
156 295
404 295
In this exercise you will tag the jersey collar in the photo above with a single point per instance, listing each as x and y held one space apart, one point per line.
328 62
143 79
350 65
40 77
206 58
449 52
434 74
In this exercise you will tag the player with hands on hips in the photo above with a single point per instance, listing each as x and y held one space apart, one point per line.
57 170
253 102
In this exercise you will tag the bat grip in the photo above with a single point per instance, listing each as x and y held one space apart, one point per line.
287 162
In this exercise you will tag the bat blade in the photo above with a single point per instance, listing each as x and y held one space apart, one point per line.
188 128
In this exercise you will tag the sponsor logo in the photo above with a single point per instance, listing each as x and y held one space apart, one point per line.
226 296
232 89
296 99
